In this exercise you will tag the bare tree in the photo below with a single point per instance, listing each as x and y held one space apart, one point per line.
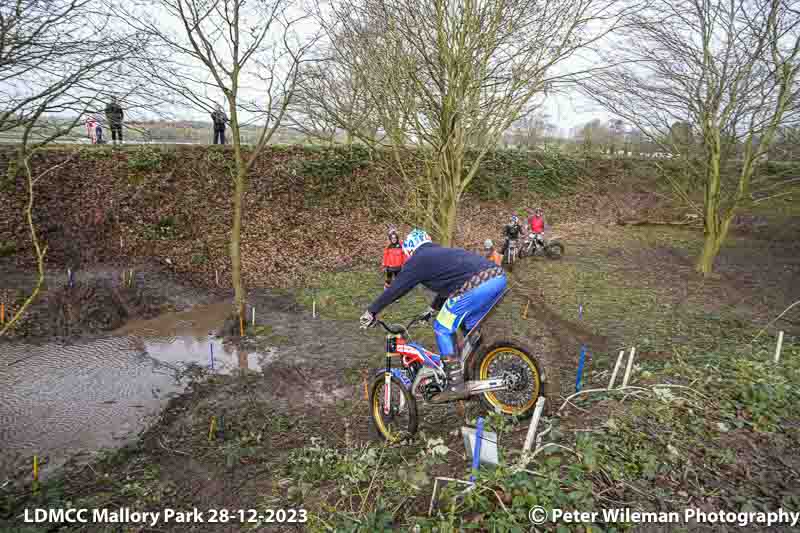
245 52
53 56
331 99
532 130
726 73
452 75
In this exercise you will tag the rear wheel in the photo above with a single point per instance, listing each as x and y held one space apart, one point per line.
554 250
401 421
526 374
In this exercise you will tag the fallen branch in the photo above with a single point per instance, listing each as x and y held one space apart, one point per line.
773 321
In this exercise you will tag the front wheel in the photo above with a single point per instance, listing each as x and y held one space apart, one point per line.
401 420
527 377
554 250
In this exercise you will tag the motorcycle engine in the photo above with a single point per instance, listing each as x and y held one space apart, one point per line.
426 385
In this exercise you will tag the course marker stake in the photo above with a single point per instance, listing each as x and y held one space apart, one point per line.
212 427
254 316
525 312
537 414
629 367
366 388
616 369
779 347
35 473
476 453
579 375
2 313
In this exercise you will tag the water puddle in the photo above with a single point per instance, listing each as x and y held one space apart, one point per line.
57 401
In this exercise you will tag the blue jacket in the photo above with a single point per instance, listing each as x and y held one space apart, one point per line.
441 270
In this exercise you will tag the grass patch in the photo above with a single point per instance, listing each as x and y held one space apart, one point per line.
346 295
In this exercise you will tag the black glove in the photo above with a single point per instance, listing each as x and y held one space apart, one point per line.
427 315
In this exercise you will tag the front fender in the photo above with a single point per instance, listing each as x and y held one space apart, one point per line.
399 374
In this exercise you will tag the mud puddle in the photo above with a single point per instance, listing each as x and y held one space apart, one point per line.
57 401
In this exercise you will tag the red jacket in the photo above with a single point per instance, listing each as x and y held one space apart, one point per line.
393 256
536 224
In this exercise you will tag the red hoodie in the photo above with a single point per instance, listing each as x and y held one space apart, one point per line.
393 257
536 224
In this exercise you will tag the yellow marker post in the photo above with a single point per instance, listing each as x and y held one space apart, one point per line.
2 313
366 388
35 473
525 312
212 428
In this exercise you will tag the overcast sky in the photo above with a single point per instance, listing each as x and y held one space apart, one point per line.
565 110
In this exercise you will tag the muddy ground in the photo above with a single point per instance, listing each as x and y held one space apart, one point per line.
296 433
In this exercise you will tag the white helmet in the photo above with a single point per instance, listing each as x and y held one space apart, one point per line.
414 240
487 244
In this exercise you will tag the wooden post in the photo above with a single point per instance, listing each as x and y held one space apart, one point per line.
537 413
616 369
779 347
629 367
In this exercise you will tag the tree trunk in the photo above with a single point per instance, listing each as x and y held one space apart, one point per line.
716 226
238 199
448 210
236 234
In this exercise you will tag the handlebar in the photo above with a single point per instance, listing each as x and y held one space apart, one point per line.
398 329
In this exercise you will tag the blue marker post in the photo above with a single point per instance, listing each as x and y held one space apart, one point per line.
476 452
582 358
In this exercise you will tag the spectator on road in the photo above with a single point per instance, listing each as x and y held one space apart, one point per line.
219 118
91 126
114 116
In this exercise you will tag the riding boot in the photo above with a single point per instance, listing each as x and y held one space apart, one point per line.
456 388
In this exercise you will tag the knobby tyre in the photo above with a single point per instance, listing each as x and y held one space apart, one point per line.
401 422
531 374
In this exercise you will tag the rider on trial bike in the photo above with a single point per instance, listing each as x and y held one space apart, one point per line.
466 286
512 231
536 223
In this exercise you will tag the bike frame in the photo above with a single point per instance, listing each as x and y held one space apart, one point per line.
410 352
